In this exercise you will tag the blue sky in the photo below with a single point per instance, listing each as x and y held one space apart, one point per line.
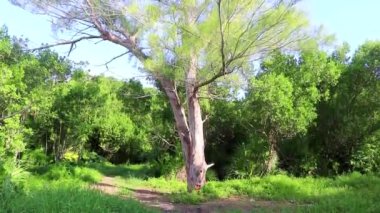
350 20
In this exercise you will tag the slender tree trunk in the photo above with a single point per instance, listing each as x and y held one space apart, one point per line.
273 155
273 159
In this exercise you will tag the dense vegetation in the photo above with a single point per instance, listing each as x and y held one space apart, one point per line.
313 114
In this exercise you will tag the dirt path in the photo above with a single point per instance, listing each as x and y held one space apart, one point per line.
107 185
160 200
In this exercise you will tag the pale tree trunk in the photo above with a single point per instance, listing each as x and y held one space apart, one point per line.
196 163
189 128
273 155
273 159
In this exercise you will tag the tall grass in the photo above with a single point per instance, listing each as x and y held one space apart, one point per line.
66 196
63 188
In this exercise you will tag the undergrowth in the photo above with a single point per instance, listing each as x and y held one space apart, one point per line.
348 193
62 188
65 188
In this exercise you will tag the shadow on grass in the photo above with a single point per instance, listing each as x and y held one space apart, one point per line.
147 195
92 172
141 171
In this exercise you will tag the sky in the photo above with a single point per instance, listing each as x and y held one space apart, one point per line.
351 21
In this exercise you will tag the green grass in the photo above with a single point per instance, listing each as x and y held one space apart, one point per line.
68 196
348 193
63 188
141 171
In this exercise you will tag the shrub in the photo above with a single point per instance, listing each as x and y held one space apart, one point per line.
58 171
249 159
91 157
367 159
168 165
211 175
71 156
36 157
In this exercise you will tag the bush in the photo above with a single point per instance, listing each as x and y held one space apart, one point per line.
58 171
12 181
71 156
91 157
211 175
249 159
63 171
168 165
36 157
12 175
367 159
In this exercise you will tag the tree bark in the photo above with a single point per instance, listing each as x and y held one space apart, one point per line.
273 159
189 128
273 155
196 163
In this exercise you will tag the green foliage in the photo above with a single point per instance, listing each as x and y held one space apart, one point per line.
35 158
349 193
211 175
169 164
91 157
345 134
281 103
66 171
273 100
318 112
366 158
249 159
70 156
286 93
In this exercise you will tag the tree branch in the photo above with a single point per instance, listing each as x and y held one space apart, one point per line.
221 37
128 41
72 43
212 79
206 118
14 114
114 58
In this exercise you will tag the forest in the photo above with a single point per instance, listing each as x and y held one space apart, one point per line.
295 130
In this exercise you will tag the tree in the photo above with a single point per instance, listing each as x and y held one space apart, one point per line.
14 104
283 99
182 44
347 126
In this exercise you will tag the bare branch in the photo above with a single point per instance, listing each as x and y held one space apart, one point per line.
221 37
216 76
72 43
114 58
165 141
206 118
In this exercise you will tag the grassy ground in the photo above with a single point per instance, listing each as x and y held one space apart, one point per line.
65 188
348 193
62 188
